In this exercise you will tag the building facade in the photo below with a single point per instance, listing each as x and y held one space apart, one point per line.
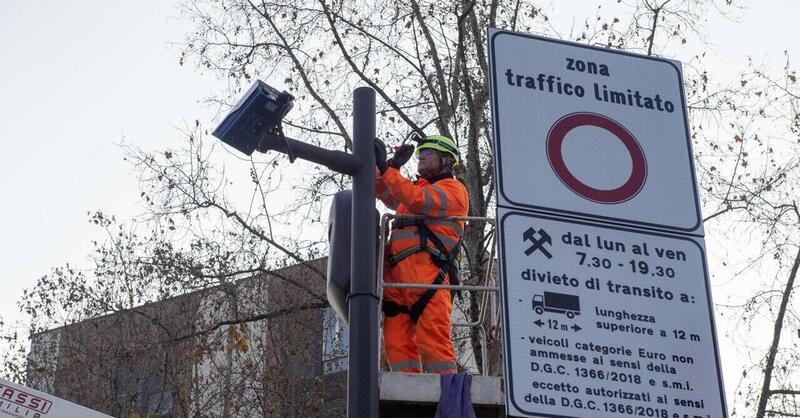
265 346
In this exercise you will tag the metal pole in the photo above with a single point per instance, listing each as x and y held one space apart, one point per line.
362 379
339 161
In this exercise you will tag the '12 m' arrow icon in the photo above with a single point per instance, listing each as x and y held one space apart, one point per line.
538 243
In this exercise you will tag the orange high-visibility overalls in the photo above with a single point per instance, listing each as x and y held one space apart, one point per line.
416 322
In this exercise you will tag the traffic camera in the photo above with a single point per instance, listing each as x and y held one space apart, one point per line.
254 123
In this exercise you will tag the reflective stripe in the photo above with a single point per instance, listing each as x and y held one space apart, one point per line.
413 233
405 364
426 194
447 241
439 366
399 234
454 225
436 253
395 258
405 234
442 201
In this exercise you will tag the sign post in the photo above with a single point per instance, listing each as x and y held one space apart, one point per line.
606 303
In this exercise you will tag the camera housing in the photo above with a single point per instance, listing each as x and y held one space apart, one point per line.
259 112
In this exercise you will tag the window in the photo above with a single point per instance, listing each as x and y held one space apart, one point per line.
335 342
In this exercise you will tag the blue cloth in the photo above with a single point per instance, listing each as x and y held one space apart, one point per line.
455 400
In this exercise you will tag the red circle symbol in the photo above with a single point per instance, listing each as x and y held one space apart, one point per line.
555 140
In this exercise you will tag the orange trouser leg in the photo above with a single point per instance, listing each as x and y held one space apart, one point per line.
401 351
429 338
398 333
433 335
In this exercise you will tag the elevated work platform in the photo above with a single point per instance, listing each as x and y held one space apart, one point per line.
405 395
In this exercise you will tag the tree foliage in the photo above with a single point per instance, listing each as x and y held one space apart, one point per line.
427 62
752 176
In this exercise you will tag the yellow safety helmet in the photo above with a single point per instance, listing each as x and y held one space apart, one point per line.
442 144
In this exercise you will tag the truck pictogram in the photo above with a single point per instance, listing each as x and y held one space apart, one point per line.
558 303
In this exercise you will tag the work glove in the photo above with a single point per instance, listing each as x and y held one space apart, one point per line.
380 156
401 155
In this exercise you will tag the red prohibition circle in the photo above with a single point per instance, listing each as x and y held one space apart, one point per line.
555 140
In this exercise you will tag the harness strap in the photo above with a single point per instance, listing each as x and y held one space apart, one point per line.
402 223
392 309
396 258
419 306
408 234
443 254
438 252
441 257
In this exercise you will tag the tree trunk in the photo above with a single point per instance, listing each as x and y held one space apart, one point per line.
776 338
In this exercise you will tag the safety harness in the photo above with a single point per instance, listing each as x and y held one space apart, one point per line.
441 257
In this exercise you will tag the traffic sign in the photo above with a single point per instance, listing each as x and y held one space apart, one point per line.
604 321
591 133
21 401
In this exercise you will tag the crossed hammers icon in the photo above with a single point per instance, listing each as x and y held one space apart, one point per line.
538 243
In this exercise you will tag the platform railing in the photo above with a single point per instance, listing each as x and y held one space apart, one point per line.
484 290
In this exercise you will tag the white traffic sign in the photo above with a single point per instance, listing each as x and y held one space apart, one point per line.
591 133
23 402
603 321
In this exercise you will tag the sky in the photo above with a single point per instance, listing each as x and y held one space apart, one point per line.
78 77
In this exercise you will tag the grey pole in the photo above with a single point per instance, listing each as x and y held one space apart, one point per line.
362 379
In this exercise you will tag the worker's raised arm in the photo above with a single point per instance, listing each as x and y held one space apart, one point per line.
401 155
439 199
383 193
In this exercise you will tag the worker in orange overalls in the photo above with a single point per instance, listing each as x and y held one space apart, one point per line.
417 321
